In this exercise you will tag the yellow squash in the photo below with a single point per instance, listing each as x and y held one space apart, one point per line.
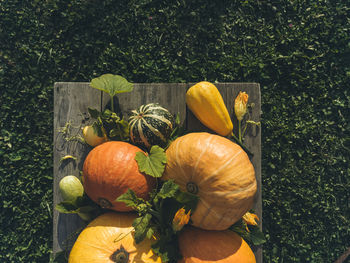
206 103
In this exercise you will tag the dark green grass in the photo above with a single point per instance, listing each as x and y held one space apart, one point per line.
297 50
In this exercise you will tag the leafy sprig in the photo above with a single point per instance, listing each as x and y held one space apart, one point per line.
156 215
110 123
82 205
254 236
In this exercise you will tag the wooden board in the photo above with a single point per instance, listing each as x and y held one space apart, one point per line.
71 102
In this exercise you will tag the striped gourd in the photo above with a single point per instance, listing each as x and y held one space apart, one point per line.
149 125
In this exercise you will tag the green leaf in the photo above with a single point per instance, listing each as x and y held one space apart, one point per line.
188 200
150 232
141 225
130 199
256 236
106 114
67 207
97 126
177 119
94 113
168 189
152 164
112 84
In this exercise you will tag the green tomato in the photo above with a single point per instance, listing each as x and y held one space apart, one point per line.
70 188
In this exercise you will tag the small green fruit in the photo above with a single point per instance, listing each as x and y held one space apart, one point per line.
91 136
70 188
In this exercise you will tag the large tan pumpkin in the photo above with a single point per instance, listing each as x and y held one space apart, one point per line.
109 238
218 171
109 170
206 246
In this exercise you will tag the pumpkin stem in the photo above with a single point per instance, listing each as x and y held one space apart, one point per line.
120 255
192 188
104 203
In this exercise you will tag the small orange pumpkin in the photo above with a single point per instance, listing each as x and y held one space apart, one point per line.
109 170
218 171
109 238
199 246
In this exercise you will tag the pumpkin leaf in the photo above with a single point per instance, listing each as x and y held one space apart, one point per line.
112 84
141 225
257 236
130 199
168 189
254 236
152 164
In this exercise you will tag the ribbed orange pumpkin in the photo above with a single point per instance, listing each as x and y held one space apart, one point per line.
109 238
199 246
109 170
218 171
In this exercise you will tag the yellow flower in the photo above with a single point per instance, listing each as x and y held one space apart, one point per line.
241 105
181 219
249 219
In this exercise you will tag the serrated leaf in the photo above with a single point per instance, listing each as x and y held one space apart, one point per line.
168 189
141 225
130 199
150 233
152 164
112 84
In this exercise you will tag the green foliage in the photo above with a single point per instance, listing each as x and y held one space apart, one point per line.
115 127
153 163
156 217
297 50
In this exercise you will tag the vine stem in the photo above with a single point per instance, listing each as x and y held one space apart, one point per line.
241 144
240 131
112 103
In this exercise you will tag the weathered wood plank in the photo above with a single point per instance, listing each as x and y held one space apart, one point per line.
72 101
70 111
171 96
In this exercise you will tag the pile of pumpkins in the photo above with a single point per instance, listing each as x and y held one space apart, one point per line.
208 165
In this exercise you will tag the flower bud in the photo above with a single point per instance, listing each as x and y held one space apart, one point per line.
250 219
180 219
241 105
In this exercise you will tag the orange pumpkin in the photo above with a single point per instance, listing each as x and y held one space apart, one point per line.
199 246
109 238
110 170
218 171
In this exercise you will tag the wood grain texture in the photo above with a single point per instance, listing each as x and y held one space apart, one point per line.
70 113
72 101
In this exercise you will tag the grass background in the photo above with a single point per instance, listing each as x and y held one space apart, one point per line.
298 51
